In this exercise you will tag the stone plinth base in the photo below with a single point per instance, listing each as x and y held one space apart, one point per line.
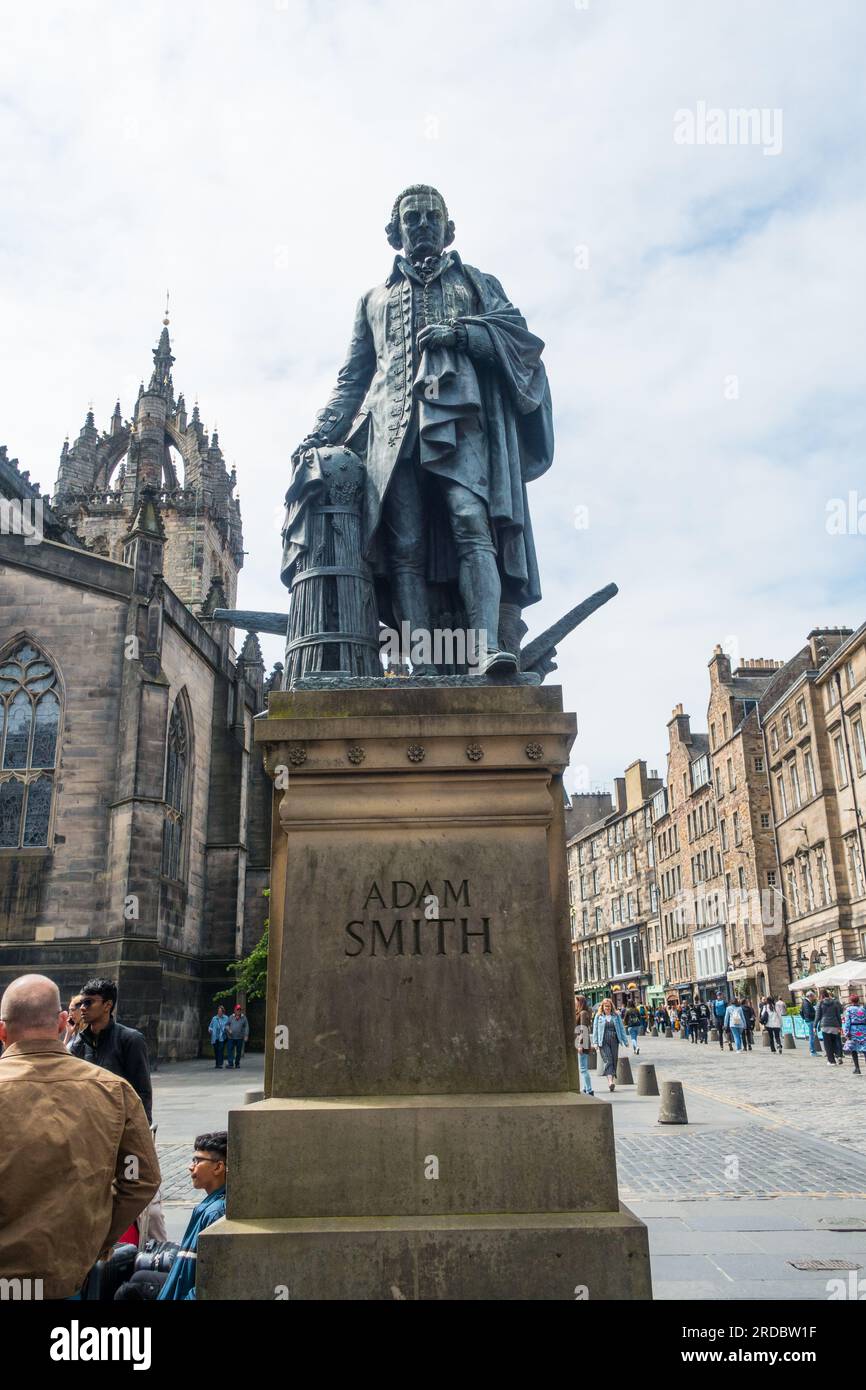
409 1155
422 1136
586 1255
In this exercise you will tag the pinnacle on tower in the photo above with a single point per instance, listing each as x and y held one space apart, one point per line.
147 519
251 652
160 380
116 420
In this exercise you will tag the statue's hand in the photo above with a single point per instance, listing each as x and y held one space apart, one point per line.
312 441
437 335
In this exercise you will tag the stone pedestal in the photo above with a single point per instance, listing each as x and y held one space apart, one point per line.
422 1135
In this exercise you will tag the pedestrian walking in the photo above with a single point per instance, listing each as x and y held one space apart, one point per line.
691 1012
735 1022
644 1018
608 1034
238 1032
772 1021
828 1019
217 1030
109 1044
631 1022
808 1011
719 1010
583 1042
78 1164
702 1011
749 1015
854 1031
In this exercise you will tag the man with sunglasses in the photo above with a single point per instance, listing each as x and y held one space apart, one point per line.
101 1039
208 1174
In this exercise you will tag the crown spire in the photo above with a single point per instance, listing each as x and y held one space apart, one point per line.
163 361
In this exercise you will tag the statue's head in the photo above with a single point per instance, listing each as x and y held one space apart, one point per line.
419 224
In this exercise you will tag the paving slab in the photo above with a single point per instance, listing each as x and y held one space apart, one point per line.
683 1268
683 1242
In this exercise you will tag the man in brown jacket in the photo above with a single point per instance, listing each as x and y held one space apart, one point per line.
77 1161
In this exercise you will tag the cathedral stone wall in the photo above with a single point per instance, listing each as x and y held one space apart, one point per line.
191 676
76 612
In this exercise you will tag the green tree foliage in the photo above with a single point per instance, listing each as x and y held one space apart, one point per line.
250 973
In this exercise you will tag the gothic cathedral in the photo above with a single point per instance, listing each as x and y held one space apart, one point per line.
134 815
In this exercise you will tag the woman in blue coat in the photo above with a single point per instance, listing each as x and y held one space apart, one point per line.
607 1034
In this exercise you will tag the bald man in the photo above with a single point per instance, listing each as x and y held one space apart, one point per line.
77 1162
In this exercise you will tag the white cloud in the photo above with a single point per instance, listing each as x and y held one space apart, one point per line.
247 156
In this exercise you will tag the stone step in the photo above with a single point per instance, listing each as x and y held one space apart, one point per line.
567 1255
410 1155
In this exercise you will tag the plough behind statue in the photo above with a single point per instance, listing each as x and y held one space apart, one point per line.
332 630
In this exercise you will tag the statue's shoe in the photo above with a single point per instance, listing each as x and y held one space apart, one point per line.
498 664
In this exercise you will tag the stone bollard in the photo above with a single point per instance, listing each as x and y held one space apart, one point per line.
672 1110
623 1072
669 1032
788 1042
647 1085
654 1032
765 1038
253 1097
593 1058
714 1035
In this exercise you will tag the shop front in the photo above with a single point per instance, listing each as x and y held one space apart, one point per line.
742 982
629 981
711 961
628 990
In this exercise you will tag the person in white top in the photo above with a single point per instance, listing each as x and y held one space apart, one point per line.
771 1017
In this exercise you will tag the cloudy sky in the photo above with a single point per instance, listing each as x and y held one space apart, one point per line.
702 303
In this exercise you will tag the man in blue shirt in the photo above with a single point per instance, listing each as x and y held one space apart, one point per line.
208 1174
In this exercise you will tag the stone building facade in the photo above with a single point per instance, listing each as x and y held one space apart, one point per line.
134 818
813 730
758 838
613 895
722 918
753 908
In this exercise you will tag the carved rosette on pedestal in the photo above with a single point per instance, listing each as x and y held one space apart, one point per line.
423 1136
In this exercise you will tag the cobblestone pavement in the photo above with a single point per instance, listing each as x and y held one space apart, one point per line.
793 1089
735 1164
173 1163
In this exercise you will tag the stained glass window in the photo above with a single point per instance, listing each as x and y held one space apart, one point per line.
29 732
176 775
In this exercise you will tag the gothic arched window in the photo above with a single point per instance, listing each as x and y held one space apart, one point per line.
177 766
30 709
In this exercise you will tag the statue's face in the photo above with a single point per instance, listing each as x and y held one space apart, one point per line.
422 226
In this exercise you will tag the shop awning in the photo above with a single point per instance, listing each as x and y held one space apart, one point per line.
835 976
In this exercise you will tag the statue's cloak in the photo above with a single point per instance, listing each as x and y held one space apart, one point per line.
482 417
